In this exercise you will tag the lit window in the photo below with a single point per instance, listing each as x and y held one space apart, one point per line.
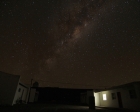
104 97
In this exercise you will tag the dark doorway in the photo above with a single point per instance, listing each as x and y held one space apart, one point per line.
119 100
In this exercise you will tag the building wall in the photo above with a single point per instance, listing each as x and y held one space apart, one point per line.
32 95
36 96
97 99
89 93
21 93
109 102
8 86
132 103
127 101
83 97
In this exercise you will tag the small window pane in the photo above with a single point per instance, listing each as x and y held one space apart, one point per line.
113 96
132 94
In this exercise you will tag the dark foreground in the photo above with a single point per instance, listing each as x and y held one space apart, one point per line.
56 108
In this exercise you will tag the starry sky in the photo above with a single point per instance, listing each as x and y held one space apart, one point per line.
71 43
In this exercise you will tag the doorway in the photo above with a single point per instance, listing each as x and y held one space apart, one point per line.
119 100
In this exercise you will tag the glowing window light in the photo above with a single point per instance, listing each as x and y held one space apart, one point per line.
104 97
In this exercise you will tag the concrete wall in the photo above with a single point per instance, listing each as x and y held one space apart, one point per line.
97 99
129 103
21 93
8 86
36 96
32 95
109 102
132 103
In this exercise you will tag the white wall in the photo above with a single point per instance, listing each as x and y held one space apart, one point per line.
109 102
32 95
97 99
129 103
36 96
22 94
8 86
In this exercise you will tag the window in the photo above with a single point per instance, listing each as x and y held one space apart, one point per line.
113 96
132 94
104 97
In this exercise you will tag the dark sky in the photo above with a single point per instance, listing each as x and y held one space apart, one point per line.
71 43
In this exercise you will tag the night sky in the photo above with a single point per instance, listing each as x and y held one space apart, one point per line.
71 43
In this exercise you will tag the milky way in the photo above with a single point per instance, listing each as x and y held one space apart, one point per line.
71 43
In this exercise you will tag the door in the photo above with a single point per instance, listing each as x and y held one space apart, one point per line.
119 100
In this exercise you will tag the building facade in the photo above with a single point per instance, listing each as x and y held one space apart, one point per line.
124 96
12 91
21 94
85 96
33 95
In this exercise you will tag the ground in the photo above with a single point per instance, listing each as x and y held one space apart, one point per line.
56 108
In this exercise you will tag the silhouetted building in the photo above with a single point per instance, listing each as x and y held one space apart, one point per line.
12 91
85 96
35 84
60 95
33 95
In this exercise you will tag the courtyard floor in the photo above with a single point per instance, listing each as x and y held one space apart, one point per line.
56 108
